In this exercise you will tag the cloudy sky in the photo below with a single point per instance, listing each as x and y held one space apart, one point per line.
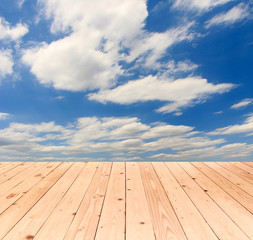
126 80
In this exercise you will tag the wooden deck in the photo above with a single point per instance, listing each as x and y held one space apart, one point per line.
130 201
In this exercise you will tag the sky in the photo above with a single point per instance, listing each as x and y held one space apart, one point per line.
126 80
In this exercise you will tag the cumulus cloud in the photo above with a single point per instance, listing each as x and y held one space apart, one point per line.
242 104
96 45
114 137
4 116
246 127
180 93
6 63
12 33
72 64
95 51
235 150
181 66
199 5
235 14
88 57
9 34
151 46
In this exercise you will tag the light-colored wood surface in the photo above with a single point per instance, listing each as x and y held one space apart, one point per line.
112 220
132 201
138 219
187 213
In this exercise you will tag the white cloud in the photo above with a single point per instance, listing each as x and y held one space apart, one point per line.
180 93
113 137
219 112
151 46
20 3
12 33
235 150
4 116
6 63
235 14
199 5
73 64
90 56
9 33
166 130
97 50
105 17
246 127
243 103
59 97
181 66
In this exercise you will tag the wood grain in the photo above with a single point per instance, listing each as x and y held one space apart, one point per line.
138 219
85 222
112 220
132 201
239 215
15 212
221 224
232 189
165 222
187 213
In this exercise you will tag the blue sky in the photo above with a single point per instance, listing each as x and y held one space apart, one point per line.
126 80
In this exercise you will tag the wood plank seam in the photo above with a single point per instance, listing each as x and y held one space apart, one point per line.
18 193
194 204
40 196
211 202
80 204
170 205
59 199
216 203
12 167
238 185
104 199
169 200
243 172
224 189
110 177
92 201
148 205
223 209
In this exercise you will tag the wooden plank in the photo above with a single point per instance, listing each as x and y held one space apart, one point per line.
242 217
15 212
85 222
3 164
232 189
58 223
221 224
19 190
112 220
250 164
240 182
15 170
30 224
138 220
244 167
17 179
164 219
187 213
239 172
8 166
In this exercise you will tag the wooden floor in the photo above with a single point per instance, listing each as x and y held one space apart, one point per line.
130 201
